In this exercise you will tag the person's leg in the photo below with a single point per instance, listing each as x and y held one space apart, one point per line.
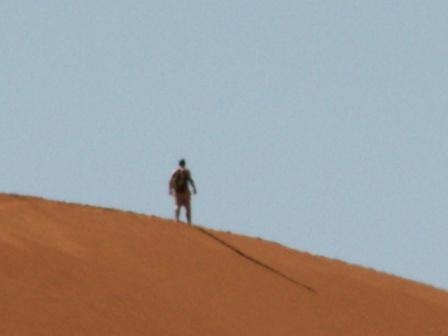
177 212
178 205
188 208
183 200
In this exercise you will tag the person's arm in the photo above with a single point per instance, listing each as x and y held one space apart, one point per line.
170 184
192 184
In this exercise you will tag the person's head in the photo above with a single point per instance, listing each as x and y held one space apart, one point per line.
182 163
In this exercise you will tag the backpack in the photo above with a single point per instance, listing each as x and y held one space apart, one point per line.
180 180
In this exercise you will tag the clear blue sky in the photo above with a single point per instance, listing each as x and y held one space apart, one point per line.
319 124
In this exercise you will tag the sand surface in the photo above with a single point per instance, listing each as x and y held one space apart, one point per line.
68 269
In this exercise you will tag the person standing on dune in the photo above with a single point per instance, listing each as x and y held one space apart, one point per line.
179 186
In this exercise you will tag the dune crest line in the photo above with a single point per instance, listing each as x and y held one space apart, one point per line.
255 261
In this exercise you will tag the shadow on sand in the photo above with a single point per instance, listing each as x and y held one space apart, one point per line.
255 261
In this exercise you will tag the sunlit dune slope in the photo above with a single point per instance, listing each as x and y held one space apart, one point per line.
78 270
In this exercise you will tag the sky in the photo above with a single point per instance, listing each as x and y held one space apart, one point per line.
321 125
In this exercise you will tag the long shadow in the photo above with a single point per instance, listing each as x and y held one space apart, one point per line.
255 261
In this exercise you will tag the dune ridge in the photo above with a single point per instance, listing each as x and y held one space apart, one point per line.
70 269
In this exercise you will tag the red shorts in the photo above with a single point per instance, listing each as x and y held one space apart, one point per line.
183 199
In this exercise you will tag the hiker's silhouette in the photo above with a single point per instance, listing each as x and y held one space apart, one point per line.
179 187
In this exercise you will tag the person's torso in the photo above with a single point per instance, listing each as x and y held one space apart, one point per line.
181 179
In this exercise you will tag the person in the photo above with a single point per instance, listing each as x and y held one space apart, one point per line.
179 186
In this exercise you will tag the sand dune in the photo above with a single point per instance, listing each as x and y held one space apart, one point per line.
77 270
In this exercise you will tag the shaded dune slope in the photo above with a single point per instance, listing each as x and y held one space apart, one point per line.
68 269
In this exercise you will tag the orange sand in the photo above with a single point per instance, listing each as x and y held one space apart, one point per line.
78 270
